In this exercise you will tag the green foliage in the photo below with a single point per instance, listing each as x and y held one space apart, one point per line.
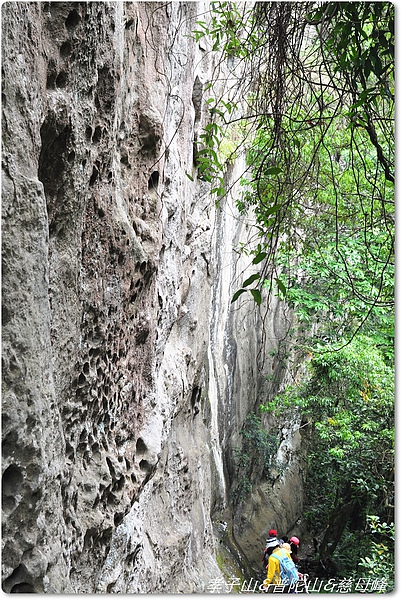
216 146
217 143
318 84
224 28
256 457
336 250
348 402
366 557
361 47
381 561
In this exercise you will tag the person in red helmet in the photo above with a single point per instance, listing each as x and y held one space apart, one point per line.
270 542
294 545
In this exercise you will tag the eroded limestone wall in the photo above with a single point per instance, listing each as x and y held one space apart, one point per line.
126 374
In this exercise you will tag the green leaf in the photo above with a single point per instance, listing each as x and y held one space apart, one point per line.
237 295
259 257
281 286
251 279
273 171
189 176
272 210
257 296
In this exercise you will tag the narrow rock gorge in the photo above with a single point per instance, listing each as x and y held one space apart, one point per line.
127 372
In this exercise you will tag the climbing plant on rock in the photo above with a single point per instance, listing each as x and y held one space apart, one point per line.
256 458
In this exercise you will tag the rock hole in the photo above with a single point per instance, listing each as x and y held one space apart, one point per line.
153 181
145 465
22 588
111 468
94 176
5 315
51 80
65 49
196 392
141 447
70 452
88 539
61 79
52 164
12 480
124 159
72 20
118 517
97 134
112 498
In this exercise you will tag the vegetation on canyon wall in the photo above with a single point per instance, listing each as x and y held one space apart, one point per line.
310 101
255 458
348 404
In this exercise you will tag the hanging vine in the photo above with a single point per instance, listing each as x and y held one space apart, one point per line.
314 93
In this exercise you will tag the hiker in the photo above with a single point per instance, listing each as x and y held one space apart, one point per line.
273 565
270 542
278 557
294 545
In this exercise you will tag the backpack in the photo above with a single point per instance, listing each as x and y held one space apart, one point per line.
288 571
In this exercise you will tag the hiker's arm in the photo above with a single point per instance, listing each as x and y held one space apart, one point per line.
271 569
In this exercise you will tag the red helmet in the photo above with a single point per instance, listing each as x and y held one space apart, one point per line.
294 540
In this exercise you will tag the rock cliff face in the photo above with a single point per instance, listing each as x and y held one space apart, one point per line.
127 375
